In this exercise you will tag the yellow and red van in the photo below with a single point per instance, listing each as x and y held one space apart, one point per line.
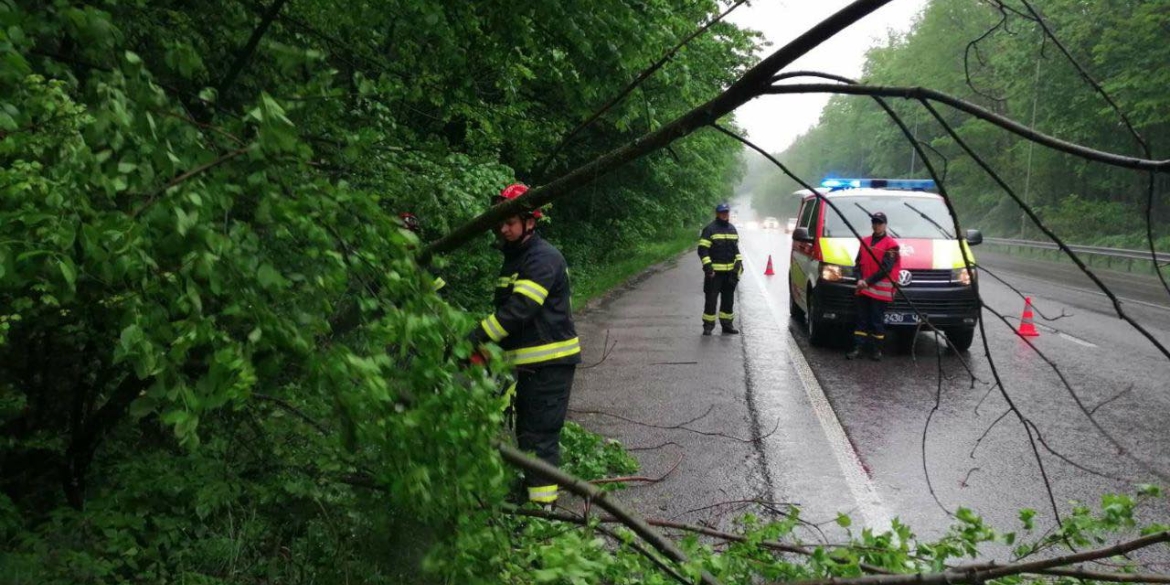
933 277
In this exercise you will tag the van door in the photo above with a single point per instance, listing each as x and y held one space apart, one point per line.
801 262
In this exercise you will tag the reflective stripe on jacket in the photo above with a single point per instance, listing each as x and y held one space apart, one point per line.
879 275
533 320
719 246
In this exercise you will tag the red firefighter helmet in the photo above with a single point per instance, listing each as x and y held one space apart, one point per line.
410 221
513 191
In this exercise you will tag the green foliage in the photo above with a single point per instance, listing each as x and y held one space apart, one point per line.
543 551
1120 43
222 362
591 456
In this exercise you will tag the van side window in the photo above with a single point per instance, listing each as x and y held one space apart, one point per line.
806 214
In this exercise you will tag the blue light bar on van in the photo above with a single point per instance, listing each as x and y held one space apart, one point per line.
841 183
902 184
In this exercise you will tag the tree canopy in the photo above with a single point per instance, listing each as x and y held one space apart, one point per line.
1001 61
193 195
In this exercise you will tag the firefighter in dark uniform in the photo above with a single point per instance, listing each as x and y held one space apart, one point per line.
533 324
877 260
722 266
410 222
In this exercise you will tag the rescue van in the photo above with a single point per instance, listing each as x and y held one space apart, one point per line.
933 277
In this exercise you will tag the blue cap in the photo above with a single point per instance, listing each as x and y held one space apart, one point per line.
722 207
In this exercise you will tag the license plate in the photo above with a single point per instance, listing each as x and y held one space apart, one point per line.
900 318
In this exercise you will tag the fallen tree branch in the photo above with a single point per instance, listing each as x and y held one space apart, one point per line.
922 93
1040 224
249 48
643 76
981 573
748 87
681 426
600 498
655 447
203 168
287 407
1141 141
1085 574
639 478
703 530
649 554
1115 442
975 284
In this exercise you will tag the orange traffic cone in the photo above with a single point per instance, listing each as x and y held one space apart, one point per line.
768 270
1027 328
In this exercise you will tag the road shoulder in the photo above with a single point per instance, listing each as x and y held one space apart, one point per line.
677 400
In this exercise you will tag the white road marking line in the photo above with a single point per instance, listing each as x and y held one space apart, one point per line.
860 486
1075 339
1124 300
1059 333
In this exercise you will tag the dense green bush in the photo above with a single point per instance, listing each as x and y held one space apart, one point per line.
221 362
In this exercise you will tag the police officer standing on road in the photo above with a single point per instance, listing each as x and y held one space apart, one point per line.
722 266
533 323
876 261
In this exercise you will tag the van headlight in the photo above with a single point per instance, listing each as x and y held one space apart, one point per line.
963 276
834 272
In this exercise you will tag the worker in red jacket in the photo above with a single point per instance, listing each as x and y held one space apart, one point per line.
876 261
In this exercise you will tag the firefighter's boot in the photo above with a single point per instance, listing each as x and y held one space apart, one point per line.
853 353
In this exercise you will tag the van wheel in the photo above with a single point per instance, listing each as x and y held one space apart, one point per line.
819 333
961 338
794 309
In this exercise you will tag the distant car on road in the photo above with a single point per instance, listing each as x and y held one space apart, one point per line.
933 276
771 223
791 225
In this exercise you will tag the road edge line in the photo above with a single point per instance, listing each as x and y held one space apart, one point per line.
858 481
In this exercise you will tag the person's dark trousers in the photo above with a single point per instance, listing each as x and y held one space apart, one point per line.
542 400
871 325
721 285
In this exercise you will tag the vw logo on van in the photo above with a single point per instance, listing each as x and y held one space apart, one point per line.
905 278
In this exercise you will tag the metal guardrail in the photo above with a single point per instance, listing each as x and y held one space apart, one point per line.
1163 258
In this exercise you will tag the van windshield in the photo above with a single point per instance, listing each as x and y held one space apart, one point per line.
905 215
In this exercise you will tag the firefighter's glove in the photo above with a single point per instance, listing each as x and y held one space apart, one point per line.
476 359
709 271
738 268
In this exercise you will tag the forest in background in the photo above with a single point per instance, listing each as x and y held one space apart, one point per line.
961 48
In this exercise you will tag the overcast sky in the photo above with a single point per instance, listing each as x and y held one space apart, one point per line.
774 122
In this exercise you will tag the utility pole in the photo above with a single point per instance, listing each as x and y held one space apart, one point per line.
1031 145
913 151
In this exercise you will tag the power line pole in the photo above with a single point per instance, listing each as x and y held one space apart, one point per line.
1031 145
913 151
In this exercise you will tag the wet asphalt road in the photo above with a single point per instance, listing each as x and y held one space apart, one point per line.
765 416
879 467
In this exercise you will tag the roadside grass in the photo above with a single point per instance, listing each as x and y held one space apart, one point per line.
597 280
